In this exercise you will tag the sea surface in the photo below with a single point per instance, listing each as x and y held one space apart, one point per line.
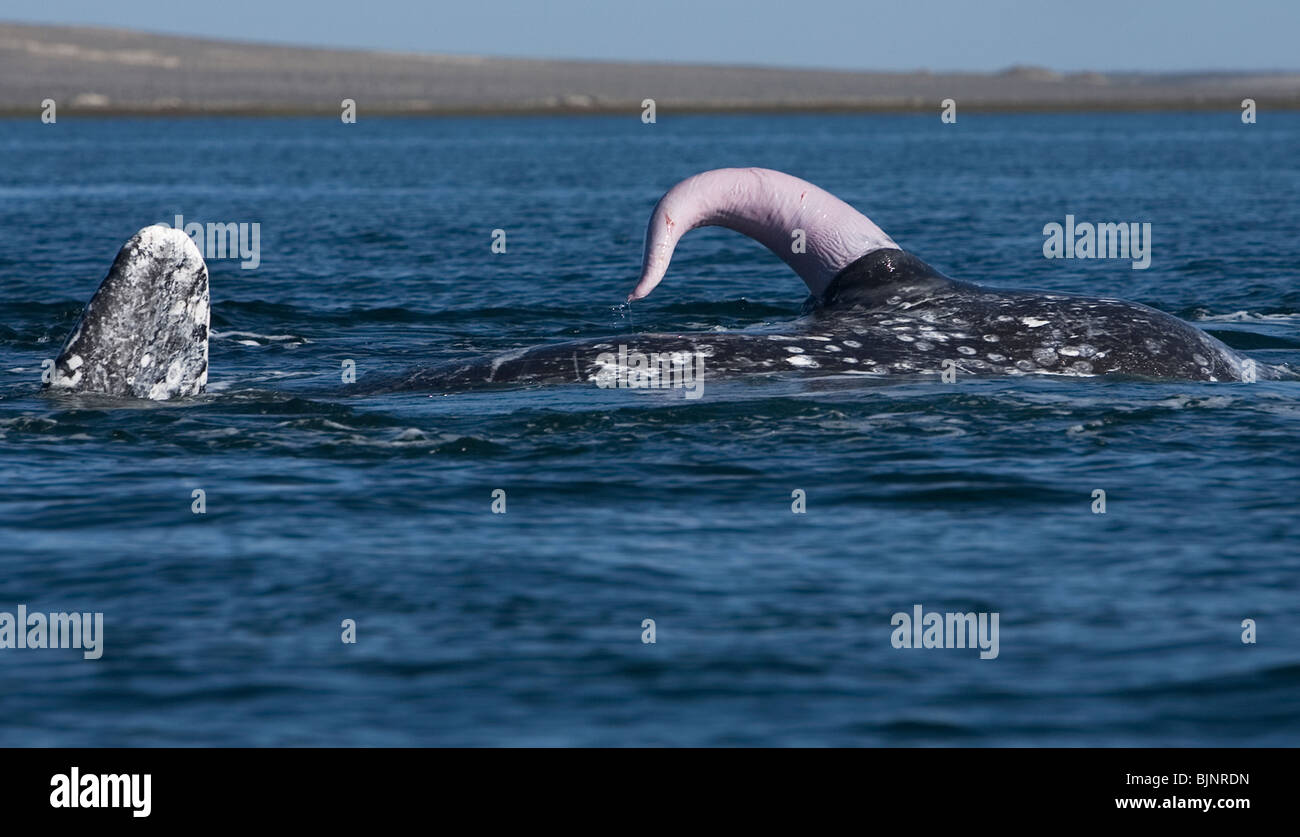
526 628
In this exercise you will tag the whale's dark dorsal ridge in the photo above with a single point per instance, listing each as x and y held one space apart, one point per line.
883 279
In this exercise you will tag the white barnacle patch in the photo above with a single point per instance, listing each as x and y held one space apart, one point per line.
1083 367
1025 366
198 309
924 346
906 338
1033 322
991 338
146 360
965 350
1070 351
850 360
818 337
802 360
169 386
995 357
1200 359
1045 355
831 347
853 344
794 350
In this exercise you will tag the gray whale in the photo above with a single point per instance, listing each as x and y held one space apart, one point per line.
144 334
873 310
891 314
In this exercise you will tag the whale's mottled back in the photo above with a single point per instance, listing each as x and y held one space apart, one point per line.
874 310
144 334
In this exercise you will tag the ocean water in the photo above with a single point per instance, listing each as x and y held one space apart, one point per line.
526 628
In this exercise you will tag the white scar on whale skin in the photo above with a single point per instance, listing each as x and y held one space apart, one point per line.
768 206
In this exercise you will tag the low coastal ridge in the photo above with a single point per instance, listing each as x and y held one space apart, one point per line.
112 71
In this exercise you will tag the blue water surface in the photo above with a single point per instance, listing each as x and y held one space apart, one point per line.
526 628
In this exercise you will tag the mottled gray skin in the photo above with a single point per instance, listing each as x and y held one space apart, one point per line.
144 333
891 314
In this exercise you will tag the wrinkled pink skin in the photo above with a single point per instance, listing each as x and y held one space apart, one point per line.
767 206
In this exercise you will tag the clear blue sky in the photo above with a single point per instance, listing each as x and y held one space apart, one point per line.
853 34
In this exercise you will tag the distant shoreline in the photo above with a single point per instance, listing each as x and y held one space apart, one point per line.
120 73
685 110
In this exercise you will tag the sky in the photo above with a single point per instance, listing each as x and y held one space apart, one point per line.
940 35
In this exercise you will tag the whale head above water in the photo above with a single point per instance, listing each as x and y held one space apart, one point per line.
144 334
